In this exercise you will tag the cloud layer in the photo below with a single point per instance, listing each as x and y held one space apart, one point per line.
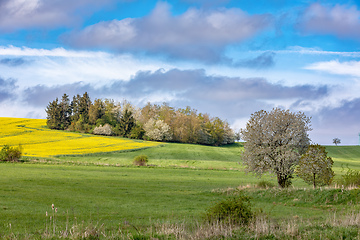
7 88
28 14
195 34
339 20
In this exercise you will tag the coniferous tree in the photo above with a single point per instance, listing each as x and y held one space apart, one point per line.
75 107
65 111
126 123
84 107
53 119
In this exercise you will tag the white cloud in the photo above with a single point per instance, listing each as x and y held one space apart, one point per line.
351 68
314 51
27 14
340 20
56 52
61 66
200 34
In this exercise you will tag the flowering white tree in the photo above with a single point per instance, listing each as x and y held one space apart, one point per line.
157 130
274 142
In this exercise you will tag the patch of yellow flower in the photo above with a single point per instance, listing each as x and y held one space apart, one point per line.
39 141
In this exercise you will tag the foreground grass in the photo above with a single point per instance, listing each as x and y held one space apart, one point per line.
110 194
102 195
144 203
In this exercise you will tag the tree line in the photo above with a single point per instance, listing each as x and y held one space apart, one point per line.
151 122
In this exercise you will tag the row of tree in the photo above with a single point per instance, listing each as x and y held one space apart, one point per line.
152 122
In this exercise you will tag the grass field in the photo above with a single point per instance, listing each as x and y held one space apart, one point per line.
104 193
344 157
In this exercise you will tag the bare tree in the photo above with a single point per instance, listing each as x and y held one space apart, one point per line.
274 142
315 166
336 141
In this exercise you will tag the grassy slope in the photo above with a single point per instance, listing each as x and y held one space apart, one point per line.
170 155
344 157
114 195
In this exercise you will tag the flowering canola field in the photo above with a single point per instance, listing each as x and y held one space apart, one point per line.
39 141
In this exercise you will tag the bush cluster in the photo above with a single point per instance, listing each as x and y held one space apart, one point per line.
140 160
350 179
233 210
103 130
10 154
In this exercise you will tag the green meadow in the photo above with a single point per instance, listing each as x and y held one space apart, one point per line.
106 193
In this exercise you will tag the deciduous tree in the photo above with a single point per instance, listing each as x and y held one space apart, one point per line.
336 141
315 167
274 142
157 130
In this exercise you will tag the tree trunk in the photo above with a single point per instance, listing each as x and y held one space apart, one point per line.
283 180
314 181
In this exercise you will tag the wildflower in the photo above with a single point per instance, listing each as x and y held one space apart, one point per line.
55 209
46 213
52 206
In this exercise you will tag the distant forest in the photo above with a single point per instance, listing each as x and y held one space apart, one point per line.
152 122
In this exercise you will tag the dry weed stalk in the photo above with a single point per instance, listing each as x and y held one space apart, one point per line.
177 230
349 219
201 231
262 225
213 230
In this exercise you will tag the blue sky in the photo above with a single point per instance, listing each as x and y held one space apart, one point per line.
228 58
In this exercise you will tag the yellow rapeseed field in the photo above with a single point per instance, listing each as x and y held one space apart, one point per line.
39 141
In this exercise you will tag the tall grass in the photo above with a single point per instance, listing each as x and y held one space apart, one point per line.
335 226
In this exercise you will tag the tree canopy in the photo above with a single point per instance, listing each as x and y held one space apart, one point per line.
274 142
336 141
315 167
151 122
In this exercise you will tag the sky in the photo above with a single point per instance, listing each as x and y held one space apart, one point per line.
227 58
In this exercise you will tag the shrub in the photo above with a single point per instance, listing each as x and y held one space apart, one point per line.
350 178
103 130
137 132
10 154
233 210
140 160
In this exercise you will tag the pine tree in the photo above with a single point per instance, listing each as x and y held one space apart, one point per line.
84 107
126 123
75 107
53 112
65 111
